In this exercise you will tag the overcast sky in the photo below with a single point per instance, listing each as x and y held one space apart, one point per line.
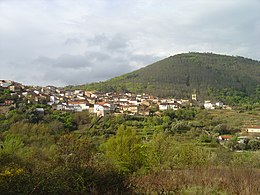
62 42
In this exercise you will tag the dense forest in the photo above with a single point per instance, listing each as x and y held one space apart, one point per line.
174 152
182 74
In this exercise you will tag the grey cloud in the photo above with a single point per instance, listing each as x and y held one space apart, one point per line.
111 43
72 41
97 56
65 61
97 40
43 60
92 65
72 61
117 42
67 77
84 75
63 42
147 59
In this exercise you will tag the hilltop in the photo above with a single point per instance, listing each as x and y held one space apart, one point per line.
182 74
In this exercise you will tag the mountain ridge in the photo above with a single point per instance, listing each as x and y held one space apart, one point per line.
182 74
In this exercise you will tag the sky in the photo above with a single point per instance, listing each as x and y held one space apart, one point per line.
69 42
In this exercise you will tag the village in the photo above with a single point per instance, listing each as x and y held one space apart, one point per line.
102 104
96 102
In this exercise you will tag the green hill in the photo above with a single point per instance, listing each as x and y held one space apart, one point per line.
182 74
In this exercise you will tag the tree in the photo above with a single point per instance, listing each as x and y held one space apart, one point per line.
125 150
161 151
254 144
167 153
11 144
232 144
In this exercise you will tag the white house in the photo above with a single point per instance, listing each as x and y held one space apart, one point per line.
168 106
98 107
163 106
133 102
71 108
53 100
208 105
83 104
174 106
255 129
219 104
131 109
102 110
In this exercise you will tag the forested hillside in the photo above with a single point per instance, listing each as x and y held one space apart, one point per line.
182 74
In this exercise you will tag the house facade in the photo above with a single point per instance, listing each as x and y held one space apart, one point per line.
255 129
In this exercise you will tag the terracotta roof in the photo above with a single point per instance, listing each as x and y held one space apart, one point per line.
101 103
226 136
77 102
254 127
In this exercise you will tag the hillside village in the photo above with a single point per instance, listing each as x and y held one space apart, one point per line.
101 104
95 102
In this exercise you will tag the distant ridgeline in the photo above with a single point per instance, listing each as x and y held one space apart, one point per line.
209 75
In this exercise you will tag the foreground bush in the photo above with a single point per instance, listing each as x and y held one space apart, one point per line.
211 180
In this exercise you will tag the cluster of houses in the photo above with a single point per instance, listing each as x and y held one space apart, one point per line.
100 103
93 101
247 133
